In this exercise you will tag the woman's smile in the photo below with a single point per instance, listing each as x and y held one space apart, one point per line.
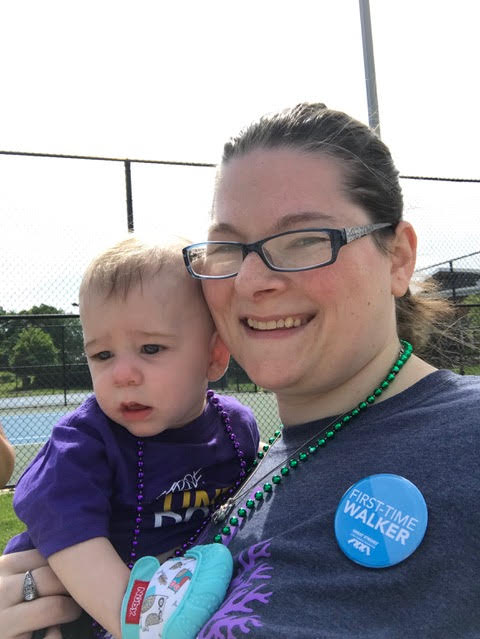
287 322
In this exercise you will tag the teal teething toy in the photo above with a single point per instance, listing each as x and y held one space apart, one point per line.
209 582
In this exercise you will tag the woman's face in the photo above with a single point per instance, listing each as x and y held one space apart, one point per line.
342 314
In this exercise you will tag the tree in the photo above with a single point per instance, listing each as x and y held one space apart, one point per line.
7 339
65 332
33 350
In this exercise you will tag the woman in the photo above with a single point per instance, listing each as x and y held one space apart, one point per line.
378 447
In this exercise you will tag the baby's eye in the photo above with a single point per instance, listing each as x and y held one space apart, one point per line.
152 349
101 356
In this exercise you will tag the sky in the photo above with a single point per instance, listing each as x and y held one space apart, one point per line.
157 80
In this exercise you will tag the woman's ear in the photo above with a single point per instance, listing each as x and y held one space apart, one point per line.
219 358
403 253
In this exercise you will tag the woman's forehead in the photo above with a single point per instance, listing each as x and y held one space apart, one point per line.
277 174
279 189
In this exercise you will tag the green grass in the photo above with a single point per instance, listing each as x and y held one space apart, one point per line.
9 524
472 370
469 370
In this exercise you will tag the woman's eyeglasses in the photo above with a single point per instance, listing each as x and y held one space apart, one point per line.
287 252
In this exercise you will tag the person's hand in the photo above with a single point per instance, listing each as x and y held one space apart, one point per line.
19 618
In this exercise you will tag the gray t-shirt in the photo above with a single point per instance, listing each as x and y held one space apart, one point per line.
292 580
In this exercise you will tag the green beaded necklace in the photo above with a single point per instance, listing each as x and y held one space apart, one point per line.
301 454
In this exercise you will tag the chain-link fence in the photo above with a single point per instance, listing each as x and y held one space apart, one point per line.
43 372
455 344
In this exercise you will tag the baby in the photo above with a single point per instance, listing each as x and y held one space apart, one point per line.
138 468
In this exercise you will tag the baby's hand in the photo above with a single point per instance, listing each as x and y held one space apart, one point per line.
178 596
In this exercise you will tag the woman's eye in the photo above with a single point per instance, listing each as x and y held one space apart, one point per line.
102 356
308 241
228 248
221 250
152 349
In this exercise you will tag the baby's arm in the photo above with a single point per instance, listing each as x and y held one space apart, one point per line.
96 577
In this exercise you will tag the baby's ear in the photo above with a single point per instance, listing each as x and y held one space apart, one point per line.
219 358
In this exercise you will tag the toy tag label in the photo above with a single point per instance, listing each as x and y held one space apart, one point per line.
134 606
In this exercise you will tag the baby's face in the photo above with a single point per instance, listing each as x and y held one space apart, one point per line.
149 355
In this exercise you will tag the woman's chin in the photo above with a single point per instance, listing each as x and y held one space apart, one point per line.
271 377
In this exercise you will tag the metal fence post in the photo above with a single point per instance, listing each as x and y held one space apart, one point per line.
128 187
64 373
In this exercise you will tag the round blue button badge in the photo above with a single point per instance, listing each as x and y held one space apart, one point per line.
381 520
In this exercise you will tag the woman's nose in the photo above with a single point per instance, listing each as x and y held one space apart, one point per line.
126 373
255 279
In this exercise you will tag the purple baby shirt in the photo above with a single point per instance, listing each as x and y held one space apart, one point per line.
82 484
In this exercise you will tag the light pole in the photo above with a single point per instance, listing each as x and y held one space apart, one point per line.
369 64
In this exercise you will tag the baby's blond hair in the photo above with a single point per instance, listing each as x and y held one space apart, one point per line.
125 265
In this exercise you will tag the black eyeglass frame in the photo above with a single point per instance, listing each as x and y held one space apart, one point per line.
338 238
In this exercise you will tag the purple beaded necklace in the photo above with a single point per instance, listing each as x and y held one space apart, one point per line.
139 509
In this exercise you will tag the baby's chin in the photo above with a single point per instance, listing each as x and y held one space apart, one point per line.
143 430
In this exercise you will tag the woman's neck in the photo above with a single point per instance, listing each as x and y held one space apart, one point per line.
302 407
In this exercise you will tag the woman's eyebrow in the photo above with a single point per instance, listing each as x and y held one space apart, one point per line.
222 227
283 224
304 217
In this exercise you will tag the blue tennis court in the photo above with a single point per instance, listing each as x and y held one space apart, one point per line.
30 428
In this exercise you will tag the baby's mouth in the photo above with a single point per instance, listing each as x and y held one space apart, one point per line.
133 406
272 325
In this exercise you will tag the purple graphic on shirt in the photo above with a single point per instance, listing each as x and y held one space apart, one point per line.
236 612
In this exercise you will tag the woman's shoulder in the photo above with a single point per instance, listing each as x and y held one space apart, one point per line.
445 386
449 376
441 388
